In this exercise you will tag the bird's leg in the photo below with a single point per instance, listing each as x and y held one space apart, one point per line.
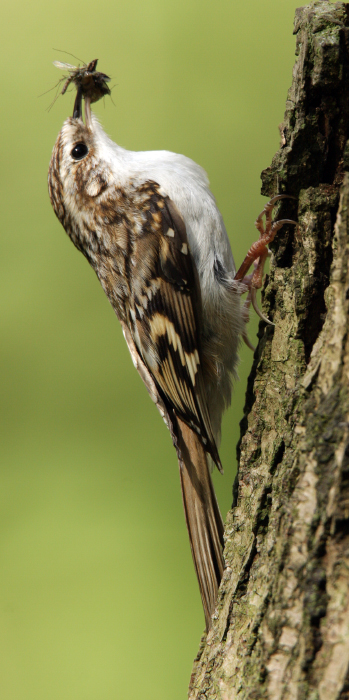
258 254
245 311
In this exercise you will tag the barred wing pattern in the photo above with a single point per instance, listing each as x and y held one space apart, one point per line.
164 310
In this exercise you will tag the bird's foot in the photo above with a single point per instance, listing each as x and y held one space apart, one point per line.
257 255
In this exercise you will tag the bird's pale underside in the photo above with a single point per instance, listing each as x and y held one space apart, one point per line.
150 228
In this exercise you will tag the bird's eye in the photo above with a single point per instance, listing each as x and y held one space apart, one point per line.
79 151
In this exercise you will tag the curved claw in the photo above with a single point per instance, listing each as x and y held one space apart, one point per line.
270 206
247 341
257 309
281 196
286 221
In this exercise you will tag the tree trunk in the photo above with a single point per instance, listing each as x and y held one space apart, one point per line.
281 629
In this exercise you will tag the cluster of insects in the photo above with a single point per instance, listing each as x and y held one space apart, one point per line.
89 83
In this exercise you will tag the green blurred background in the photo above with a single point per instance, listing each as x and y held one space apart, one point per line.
98 596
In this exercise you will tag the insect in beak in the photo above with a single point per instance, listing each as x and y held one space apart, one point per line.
90 85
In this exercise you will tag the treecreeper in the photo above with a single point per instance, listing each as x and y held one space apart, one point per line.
150 228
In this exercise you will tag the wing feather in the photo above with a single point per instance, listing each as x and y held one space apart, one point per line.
165 313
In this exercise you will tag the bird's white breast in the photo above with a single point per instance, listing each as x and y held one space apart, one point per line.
186 183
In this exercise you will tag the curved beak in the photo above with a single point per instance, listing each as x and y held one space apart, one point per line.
77 112
88 118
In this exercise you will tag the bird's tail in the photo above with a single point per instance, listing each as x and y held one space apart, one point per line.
203 518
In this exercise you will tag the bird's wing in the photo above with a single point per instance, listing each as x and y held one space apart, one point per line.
164 311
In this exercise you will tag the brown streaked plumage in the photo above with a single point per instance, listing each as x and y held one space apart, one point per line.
136 242
150 228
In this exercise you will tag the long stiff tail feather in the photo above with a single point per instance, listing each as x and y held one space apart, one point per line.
203 518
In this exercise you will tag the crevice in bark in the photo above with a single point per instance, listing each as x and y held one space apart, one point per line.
277 459
241 588
315 606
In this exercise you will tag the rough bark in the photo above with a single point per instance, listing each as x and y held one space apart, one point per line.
281 630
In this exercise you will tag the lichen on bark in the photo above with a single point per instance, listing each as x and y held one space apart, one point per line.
281 629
